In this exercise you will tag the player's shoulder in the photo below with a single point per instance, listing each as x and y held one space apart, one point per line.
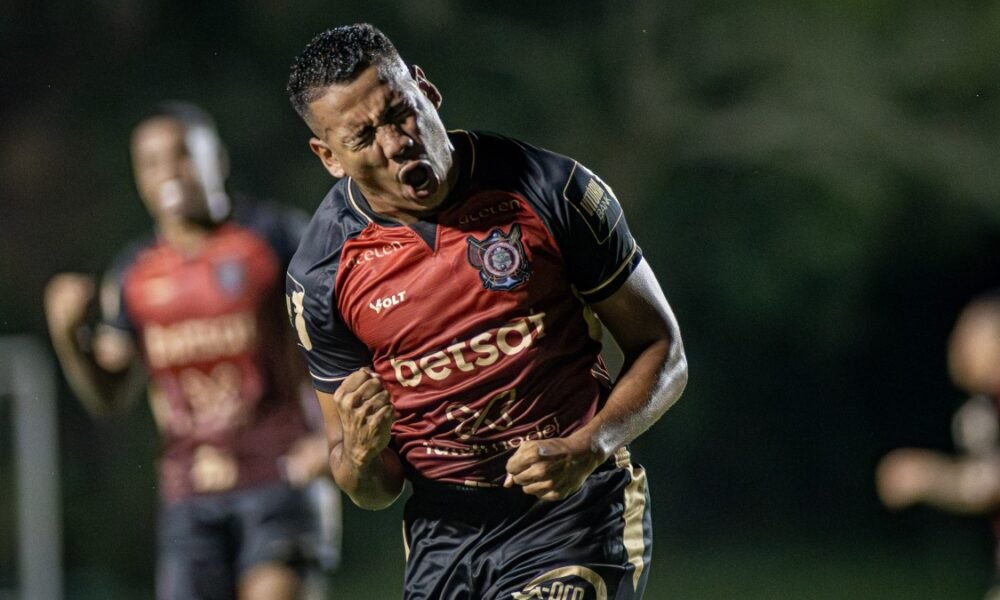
494 152
138 250
502 158
542 175
332 225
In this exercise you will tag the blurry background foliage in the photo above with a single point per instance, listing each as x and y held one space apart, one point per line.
815 184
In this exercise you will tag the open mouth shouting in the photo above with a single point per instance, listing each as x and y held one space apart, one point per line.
419 179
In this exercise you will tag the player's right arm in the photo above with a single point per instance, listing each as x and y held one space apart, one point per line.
357 413
969 483
108 376
358 417
966 485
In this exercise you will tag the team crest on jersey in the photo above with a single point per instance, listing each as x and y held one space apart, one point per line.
500 259
231 276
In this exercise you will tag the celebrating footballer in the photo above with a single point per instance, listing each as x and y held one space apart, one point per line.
449 296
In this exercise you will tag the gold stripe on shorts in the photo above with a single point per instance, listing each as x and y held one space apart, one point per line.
635 508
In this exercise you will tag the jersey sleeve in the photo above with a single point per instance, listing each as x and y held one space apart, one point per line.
111 294
331 350
587 222
112 300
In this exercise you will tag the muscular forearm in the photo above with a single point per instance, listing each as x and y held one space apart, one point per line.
358 421
655 372
371 484
101 392
649 386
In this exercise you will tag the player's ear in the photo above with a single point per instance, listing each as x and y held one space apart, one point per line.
429 89
326 156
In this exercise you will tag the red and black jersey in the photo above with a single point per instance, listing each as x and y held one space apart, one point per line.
475 319
224 387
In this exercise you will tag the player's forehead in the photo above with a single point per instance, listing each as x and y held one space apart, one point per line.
347 106
157 133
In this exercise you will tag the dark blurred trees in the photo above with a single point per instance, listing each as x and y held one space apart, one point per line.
814 182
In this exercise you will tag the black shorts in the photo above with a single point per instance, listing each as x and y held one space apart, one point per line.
491 544
206 543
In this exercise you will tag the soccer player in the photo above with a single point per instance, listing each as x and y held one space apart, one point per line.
445 296
968 483
196 310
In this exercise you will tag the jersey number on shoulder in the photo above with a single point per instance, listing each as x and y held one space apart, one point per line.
295 303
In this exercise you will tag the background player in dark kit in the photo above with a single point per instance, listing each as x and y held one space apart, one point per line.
969 482
444 296
196 311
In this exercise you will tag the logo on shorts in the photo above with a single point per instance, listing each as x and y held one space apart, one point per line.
575 582
500 259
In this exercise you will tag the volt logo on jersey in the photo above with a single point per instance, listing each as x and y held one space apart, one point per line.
500 259
380 304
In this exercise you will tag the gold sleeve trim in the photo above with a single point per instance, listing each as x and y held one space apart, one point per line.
622 267
330 379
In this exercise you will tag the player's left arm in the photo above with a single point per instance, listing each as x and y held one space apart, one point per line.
655 370
653 377
605 266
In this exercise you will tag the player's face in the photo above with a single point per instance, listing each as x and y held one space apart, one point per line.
165 172
383 130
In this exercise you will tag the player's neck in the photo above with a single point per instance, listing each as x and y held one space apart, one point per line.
187 236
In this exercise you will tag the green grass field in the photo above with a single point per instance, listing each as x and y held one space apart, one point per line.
743 572
943 559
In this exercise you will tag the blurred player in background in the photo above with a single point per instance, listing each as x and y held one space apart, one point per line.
969 482
444 296
196 312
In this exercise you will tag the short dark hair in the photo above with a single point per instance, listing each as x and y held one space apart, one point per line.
190 115
337 55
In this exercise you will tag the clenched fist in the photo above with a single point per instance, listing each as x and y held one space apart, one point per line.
67 297
552 469
366 416
903 476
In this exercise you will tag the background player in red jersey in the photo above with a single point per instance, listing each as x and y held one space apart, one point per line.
444 297
968 483
197 312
